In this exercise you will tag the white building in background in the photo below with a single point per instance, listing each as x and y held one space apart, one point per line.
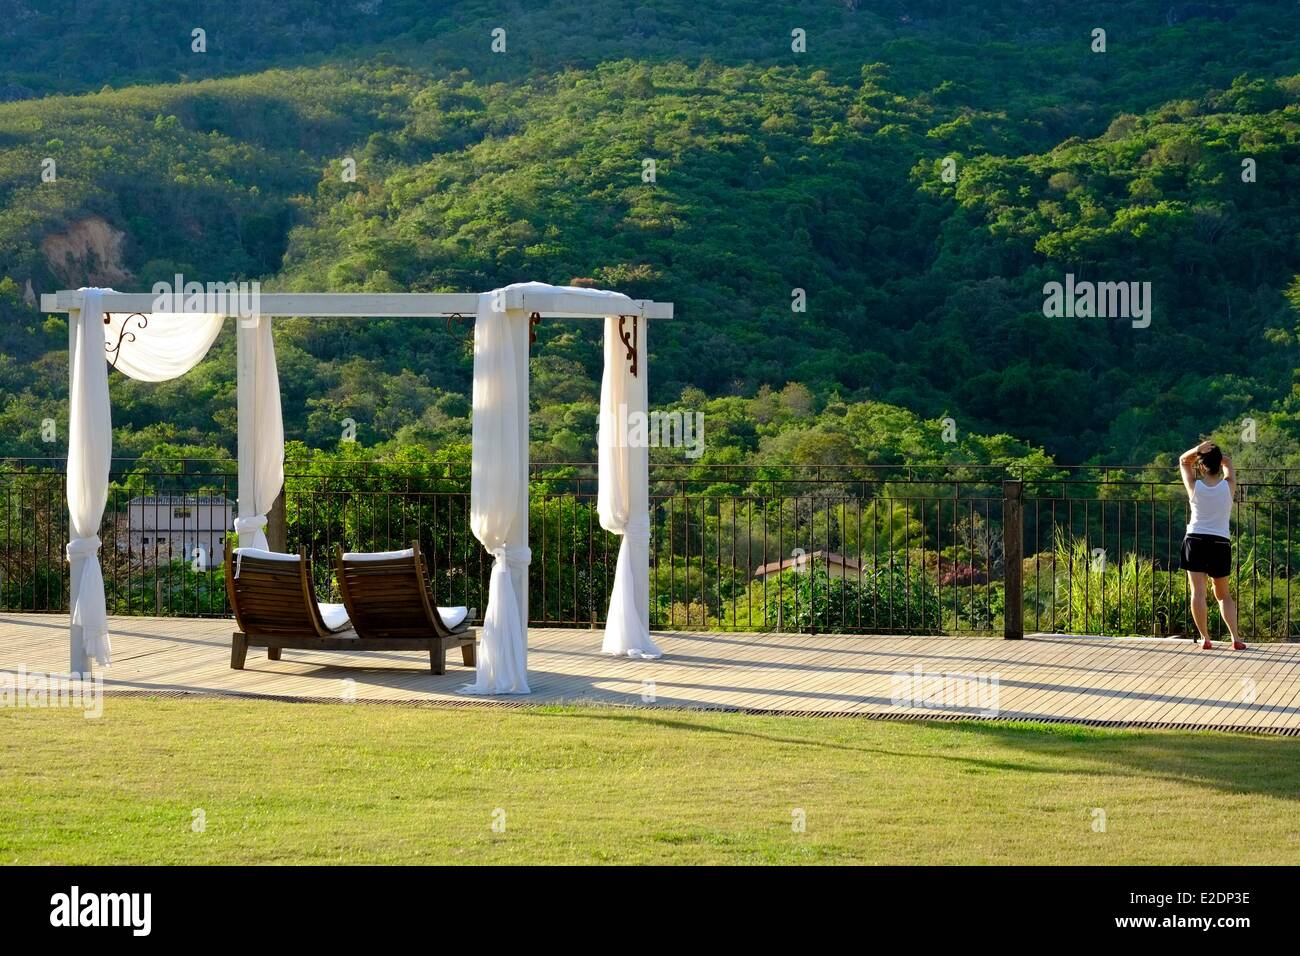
171 527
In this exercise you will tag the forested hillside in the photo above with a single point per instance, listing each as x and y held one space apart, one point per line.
775 170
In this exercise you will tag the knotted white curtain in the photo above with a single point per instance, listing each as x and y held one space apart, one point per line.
499 492
90 450
261 465
623 491
163 346
499 478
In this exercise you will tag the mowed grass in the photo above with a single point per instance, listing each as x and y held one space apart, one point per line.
302 783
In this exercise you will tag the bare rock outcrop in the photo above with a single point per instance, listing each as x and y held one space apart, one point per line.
88 253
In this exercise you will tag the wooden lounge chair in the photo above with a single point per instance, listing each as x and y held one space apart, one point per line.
390 604
275 606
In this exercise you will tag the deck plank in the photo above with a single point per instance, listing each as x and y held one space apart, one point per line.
1126 681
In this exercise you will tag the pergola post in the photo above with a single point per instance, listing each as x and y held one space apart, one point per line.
519 532
245 353
639 488
277 529
78 660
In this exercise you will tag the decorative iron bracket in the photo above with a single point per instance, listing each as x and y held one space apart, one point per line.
534 320
628 343
125 335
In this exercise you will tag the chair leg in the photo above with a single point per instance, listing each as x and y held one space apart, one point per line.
238 651
438 658
273 653
467 654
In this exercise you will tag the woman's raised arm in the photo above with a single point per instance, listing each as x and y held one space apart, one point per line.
1187 465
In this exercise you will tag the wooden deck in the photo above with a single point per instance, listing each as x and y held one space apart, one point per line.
1100 681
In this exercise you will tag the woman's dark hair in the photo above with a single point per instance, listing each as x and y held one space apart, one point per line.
1211 462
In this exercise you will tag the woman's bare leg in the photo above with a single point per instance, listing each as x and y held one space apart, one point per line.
1200 613
1227 607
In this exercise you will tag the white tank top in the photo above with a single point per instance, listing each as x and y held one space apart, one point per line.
1211 509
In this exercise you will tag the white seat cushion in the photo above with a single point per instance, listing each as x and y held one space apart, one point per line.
264 555
453 616
335 616
378 555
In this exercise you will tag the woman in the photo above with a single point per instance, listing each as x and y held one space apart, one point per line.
1207 549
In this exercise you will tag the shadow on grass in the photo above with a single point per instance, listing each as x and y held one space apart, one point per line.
687 725
1231 763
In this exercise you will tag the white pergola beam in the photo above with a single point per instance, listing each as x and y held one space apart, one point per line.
342 305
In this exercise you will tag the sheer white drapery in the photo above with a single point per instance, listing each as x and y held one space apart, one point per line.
499 492
261 452
90 450
499 478
150 348
165 345
161 345
623 490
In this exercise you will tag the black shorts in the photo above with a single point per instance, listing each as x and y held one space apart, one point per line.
1208 553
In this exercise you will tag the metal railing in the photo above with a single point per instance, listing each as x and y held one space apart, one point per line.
1104 558
888 549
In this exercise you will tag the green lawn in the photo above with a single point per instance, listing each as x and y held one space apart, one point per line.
300 783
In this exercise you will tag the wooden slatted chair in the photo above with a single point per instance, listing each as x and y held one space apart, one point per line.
390 602
275 605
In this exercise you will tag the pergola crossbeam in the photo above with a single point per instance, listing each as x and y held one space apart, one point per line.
343 305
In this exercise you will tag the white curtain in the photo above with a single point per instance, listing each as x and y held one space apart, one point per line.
499 492
623 491
167 346
162 346
261 478
90 449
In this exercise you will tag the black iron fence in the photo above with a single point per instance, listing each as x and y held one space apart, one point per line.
860 550
1103 558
